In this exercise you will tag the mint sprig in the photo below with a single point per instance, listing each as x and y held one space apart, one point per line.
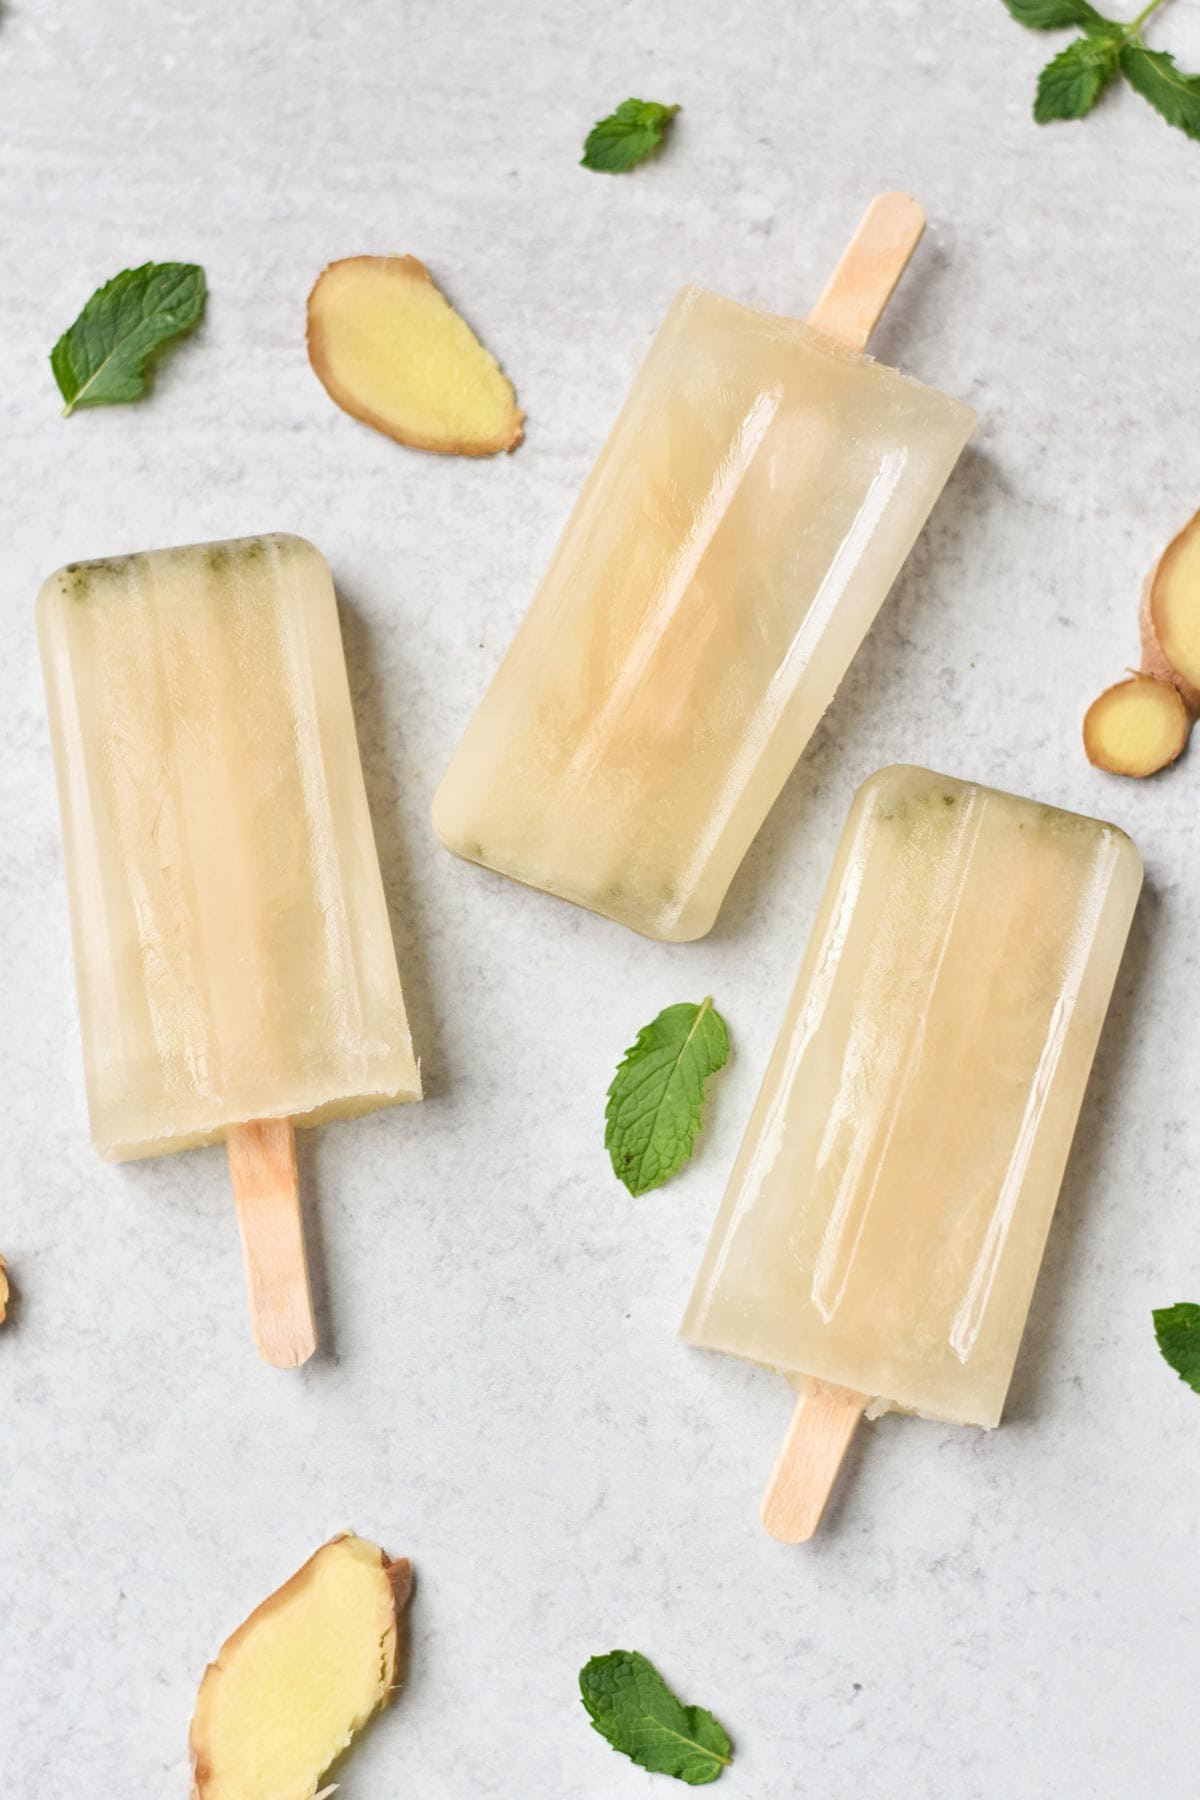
657 1093
1177 1329
102 358
631 1705
627 137
1073 81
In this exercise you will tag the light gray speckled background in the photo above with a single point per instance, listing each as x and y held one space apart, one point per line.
984 1618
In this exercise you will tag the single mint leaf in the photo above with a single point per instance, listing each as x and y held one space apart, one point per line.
655 1100
631 1705
1055 15
627 137
1177 1329
102 358
1070 86
1172 93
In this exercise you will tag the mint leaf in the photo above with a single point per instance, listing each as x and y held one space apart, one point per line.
631 1705
1172 93
102 358
627 137
1054 15
1177 1329
1070 86
654 1103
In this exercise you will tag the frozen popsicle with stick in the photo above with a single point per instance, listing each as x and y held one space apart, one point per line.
728 554
233 952
882 1230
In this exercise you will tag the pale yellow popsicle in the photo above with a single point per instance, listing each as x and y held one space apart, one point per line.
232 945
733 544
888 1210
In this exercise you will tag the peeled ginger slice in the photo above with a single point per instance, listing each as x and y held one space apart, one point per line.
1174 603
392 351
1136 727
292 1686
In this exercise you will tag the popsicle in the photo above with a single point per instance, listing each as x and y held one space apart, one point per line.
753 505
234 959
885 1220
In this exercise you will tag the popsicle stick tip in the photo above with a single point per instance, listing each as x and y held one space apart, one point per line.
901 208
823 1423
783 1529
286 1351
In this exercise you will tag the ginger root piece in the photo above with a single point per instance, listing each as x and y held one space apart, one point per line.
1136 727
1141 725
1171 615
292 1686
390 349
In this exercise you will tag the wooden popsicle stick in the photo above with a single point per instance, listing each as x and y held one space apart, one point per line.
266 1189
825 1419
872 264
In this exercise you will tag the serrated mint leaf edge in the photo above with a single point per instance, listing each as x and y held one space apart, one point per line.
613 1721
1184 1317
642 1051
70 359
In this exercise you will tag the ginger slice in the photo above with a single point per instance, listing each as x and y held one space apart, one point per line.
1136 727
292 1686
3 1290
391 350
1171 614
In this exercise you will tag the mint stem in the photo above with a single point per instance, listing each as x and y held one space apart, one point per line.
1135 25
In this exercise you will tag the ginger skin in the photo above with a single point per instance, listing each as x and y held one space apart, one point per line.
1171 616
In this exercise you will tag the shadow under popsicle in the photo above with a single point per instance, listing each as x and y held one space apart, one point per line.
382 753
917 311
315 1227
